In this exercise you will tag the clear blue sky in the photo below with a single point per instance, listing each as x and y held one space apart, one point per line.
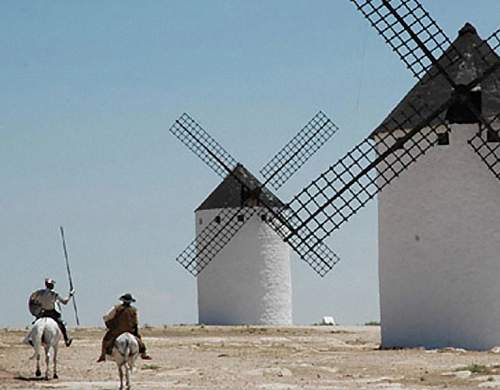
88 92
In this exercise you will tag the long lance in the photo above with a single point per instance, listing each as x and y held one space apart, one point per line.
69 275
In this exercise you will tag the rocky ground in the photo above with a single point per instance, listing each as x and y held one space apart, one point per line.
268 358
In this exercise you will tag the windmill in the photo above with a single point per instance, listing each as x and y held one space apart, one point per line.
245 263
439 224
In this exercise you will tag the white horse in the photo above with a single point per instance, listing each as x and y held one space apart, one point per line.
44 332
125 352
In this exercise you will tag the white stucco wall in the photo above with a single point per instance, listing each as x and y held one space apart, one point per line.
249 281
439 251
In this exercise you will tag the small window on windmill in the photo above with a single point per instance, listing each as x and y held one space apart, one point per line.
200 221
443 138
241 218
263 217
217 219
466 104
492 135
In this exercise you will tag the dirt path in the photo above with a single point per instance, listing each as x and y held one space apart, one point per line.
267 358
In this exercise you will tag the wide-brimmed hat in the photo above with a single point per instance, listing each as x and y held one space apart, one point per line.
128 298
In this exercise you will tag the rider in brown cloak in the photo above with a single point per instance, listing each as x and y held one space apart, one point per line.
121 318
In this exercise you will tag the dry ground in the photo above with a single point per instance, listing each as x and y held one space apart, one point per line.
272 358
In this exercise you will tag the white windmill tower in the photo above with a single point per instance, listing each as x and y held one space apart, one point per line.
439 226
250 281
239 243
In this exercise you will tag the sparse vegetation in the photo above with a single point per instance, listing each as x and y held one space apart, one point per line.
478 369
150 367
372 323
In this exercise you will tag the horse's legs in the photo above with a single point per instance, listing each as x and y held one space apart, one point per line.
38 372
120 372
47 361
37 343
55 361
127 375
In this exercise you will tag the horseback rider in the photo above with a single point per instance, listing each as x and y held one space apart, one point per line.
48 304
120 319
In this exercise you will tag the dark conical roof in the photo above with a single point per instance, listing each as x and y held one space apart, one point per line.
434 90
231 193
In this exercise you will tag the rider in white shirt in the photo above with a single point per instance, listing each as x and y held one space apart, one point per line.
49 302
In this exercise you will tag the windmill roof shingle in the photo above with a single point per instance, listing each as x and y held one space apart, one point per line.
231 192
434 90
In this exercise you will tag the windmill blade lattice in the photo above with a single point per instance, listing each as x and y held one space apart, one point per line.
418 40
191 134
306 243
225 225
493 41
213 238
410 31
338 193
217 234
486 144
298 150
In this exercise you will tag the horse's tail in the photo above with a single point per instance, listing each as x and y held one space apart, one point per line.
127 352
47 339
29 340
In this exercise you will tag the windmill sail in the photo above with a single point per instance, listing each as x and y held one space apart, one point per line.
213 238
410 32
341 191
298 150
414 127
467 65
224 226
191 134
486 143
